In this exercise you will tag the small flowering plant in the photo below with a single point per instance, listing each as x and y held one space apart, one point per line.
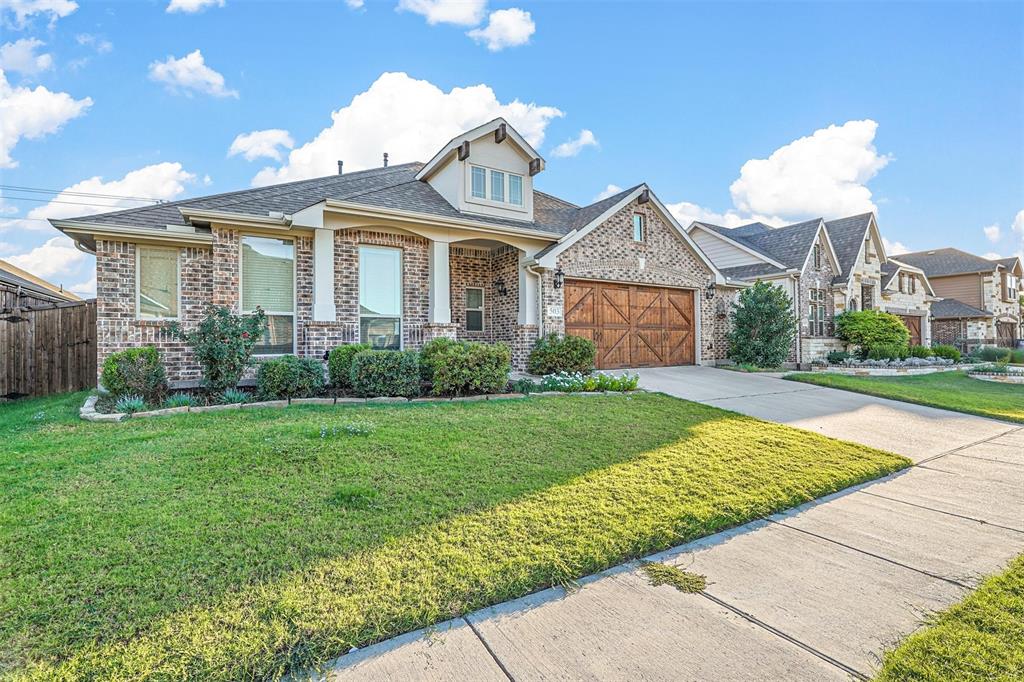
577 382
223 344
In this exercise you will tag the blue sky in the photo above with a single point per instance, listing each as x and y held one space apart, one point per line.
729 111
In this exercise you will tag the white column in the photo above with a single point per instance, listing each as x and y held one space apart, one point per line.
440 284
323 276
529 293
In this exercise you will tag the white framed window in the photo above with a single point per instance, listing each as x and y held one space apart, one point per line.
816 312
639 227
487 185
157 283
474 309
380 297
267 281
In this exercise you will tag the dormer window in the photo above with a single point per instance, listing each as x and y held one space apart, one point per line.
495 186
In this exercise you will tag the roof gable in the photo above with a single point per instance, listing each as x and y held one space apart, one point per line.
498 126
847 236
948 261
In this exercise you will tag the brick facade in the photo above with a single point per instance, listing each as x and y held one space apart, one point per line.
814 346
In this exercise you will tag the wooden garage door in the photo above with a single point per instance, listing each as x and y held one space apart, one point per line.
913 324
631 325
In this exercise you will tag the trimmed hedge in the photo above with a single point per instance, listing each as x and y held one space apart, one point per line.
471 367
289 377
339 364
137 372
386 373
552 354
869 328
431 351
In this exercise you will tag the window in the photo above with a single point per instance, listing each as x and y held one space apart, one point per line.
268 282
817 256
816 312
867 297
157 283
913 283
380 297
497 186
479 188
515 189
902 278
474 309
867 251
638 227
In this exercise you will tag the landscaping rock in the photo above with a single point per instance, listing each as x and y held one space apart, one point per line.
469 398
265 403
215 408
101 417
431 399
312 401
160 413
387 399
349 401
549 393
506 396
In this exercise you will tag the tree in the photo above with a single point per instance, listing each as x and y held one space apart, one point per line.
762 326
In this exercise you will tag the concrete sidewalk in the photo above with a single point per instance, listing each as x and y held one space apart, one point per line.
816 593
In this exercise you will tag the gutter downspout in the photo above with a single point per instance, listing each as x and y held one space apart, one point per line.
540 298
798 307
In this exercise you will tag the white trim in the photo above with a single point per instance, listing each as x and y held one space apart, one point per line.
244 219
506 184
439 159
833 256
901 266
482 309
119 232
548 259
138 282
401 292
295 293
742 247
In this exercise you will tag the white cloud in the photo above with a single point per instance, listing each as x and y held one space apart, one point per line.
57 255
610 190
190 74
161 181
894 248
101 45
24 9
420 118
992 232
992 255
459 12
32 114
6 248
573 147
192 6
261 143
355 4
505 28
1018 223
86 289
686 212
21 56
823 174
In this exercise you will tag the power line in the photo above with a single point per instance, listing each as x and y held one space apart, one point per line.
38 190
72 203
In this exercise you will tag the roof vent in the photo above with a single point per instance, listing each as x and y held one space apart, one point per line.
385 159
931 253
341 164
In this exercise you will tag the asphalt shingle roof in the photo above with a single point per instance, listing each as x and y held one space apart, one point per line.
1007 263
751 271
390 187
950 308
944 262
846 235
788 245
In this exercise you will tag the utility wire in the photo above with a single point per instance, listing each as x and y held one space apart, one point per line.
38 190
73 203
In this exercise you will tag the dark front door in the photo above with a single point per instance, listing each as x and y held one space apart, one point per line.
913 324
1005 335
632 325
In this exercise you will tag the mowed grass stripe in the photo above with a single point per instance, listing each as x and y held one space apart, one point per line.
472 504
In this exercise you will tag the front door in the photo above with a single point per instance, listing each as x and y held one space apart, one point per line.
632 325
1005 336
913 324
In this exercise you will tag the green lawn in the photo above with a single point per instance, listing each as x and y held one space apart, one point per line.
948 390
239 545
979 639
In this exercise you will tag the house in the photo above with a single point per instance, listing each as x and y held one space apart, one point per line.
980 305
462 246
826 267
21 289
908 294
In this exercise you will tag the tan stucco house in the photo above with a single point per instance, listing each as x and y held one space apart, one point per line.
980 303
462 246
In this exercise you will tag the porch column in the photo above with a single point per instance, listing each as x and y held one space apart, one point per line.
528 293
440 284
323 276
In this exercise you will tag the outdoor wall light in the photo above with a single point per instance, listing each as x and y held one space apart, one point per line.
709 292
499 286
559 277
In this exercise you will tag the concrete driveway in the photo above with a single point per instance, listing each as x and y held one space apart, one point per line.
816 593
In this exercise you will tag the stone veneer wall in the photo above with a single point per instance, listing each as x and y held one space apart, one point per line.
814 346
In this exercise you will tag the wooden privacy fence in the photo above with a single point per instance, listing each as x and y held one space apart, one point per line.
48 348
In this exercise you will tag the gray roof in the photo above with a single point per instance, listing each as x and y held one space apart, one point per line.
944 262
889 270
788 245
752 271
846 235
1007 263
950 308
390 187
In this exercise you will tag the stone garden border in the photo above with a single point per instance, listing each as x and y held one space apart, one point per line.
1011 378
887 371
88 410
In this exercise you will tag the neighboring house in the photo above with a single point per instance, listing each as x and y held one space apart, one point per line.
906 292
22 289
980 305
462 246
826 267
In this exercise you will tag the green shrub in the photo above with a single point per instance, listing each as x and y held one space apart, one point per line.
992 354
763 326
568 353
339 364
1017 356
386 373
180 400
135 371
921 352
233 396
431 351
524 386
289 377
130 404
869 328
471 367
223 344
837 357
947 352
887 351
